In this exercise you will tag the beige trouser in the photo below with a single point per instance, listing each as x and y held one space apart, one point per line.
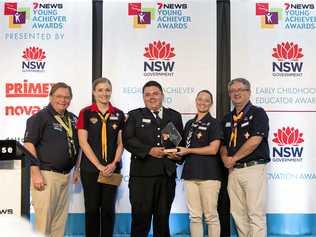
51 204
202 197
247 189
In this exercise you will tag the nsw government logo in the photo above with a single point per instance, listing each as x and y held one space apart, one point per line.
17 15
33 60
159 55
287 56
287 145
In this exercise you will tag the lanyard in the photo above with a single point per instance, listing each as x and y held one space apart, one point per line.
104 135
67 126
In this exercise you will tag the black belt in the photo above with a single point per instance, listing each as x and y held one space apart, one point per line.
249 163
56 170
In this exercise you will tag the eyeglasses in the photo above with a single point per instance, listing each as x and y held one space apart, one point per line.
60 97
239 90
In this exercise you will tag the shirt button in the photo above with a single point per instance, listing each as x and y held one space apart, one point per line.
158 129
158 144
158 135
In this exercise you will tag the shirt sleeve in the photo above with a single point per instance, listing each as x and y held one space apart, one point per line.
81 123
215 131
259 123
34 129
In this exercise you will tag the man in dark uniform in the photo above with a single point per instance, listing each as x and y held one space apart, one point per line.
51 136
152 171
245 153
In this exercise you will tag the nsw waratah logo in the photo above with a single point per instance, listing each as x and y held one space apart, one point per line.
287 145
287 60
33 60
159 57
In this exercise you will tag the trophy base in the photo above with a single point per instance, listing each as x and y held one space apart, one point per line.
171 150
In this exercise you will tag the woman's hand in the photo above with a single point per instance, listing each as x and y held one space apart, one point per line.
183 151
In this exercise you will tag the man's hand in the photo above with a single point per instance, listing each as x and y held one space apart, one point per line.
37 178
229 161
173 156
157 152
183 151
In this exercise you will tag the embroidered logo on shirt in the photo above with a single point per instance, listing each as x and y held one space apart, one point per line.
146 120
202 128
93 120
113 118
247 135
244 124
114 126
199 135
228 124
57 126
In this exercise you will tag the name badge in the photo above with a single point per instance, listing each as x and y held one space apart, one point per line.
202 128
57 126
244 124
228 124
146 120
113 118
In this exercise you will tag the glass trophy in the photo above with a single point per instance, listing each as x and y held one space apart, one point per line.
170 138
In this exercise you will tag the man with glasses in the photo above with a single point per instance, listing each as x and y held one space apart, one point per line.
51 136
245 153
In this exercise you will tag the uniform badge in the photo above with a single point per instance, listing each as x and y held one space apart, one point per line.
113 117
58 127
146 120
93 120
199 135
114 126
247 135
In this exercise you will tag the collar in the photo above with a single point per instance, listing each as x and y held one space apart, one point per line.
53 111
205 117
111 110
160 113
245 109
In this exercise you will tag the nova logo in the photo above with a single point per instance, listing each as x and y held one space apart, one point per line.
33 60
287 55
21 110
287 145
6 211
158 55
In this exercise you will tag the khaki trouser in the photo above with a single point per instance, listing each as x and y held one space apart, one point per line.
202 198
51 205
247 189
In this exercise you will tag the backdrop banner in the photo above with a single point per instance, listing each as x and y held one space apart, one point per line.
42 43
173 43
273 47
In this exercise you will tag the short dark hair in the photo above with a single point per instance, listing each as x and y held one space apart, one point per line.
58 85
100 80
207 92
153 83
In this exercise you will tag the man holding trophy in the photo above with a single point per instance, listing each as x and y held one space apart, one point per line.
151 135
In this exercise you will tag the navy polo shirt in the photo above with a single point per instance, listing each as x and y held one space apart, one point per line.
50 139
90 121
254 122
200 134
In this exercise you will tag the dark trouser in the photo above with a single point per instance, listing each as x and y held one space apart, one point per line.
99 200
151 196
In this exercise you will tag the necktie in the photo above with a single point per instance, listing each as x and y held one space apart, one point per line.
158 119
104 135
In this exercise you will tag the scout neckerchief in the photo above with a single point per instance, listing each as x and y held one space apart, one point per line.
104 135
234 123
65 122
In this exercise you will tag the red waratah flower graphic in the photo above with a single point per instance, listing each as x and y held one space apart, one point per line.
33 53
159 50
287 51
288 136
